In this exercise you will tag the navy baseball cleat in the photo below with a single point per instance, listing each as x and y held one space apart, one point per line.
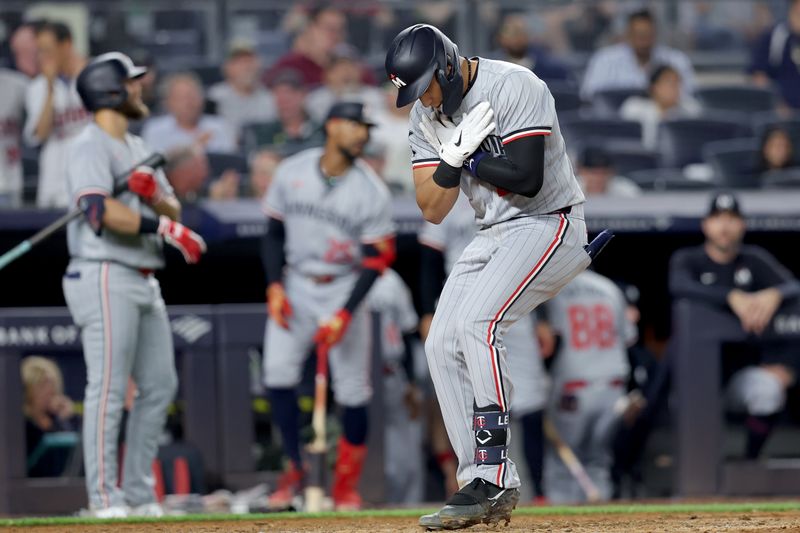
478 502
598 243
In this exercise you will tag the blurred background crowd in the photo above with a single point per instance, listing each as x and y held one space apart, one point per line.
677 95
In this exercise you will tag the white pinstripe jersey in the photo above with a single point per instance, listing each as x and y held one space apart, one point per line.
523 106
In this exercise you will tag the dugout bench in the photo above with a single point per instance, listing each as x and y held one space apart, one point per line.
698 333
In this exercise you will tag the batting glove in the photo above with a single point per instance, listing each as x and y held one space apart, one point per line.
142 181
189 243
278 306
331 331
437 129
468 135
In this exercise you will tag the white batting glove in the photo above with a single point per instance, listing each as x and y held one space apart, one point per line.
437 129
468 135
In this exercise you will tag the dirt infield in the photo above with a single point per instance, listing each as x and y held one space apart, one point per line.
772 522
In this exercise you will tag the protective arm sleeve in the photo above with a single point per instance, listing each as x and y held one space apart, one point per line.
431 278
521 171
273 255
376 259
683 285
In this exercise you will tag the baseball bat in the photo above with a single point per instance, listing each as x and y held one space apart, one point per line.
318 448
572 463
155 160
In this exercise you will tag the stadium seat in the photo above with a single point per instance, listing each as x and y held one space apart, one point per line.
591 129
219 163
734 161
610 100
782 179
566 96
681 141
666 179
736 98
629 157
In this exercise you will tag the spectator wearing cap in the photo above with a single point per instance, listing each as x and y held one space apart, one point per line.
241 98
750 283
626 65
664 101
776 57
516 46
343 81
598 177
293 130
185 124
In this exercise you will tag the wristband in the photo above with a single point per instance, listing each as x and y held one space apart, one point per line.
471 163
447 176
148 225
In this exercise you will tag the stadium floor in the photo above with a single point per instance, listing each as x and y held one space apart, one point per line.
727 517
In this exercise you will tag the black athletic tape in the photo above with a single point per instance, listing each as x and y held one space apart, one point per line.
148 225
447 176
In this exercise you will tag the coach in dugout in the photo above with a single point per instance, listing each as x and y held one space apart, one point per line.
749 282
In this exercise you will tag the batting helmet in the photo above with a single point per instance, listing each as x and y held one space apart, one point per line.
416 55
101 84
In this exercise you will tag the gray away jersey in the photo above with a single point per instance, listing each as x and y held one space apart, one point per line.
326 224
93 157
589 314
391 297
523 106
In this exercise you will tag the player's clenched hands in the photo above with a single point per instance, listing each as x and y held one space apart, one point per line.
278 306
437 129
189 243
332 330
468 135
142 181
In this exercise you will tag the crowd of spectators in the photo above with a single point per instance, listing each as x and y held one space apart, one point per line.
634 79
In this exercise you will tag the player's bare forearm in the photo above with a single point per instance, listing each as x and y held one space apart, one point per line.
168 206
45 124
120 218
434 201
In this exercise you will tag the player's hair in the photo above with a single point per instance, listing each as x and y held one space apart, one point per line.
767 134
641 14
169 81
59 30
660 70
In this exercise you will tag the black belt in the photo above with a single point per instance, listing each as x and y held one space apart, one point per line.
563 211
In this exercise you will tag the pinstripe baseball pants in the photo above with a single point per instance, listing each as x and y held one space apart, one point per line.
505 272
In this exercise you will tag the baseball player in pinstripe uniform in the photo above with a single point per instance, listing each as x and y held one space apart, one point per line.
111 292
490 128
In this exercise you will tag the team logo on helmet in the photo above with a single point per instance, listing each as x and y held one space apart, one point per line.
397 82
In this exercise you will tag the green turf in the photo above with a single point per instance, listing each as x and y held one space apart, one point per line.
726 507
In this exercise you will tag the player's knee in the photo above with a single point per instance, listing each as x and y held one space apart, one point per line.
765 395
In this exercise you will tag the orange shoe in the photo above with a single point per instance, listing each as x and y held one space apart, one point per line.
346 476
290 484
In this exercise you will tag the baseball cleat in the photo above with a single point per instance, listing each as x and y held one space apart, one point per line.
478 502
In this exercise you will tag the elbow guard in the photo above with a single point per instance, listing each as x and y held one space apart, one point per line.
94 208
380 255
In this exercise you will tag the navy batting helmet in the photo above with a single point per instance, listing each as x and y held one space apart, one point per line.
101 84
416 55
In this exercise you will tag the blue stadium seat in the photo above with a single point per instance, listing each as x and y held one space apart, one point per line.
566 96
681 141
609 101
743 99
220 162
734 161
586 129
630 157
666 179
782 179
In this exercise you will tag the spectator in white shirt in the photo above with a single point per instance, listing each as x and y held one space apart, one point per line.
664 101
241 98
626 65
598 178
186 124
